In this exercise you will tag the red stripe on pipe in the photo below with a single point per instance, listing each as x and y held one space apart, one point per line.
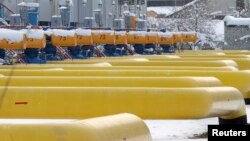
21 103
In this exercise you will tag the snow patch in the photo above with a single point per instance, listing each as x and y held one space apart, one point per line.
138 33
12 36
152 33
181 130
83 32
3 22
97 10
111 32
33 4
29 4
22 4
34 33
62 8
48 32
91 18
122 33
128 13
104 64
230 20
245 37
189 33
219 30
165 10
169 10
164 130
216 13
60 32
15 15
167 34
56 16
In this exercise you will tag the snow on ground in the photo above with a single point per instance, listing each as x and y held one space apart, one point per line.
219 29
181 130
178 130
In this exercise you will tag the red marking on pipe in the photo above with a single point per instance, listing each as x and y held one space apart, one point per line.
21 103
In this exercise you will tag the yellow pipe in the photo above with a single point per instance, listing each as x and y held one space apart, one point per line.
147 103
110 81
110 128
200 53
237 79
176 56
238 52
223 52
81 67
243 63
103 64
212 51
214 56
218 63
140 56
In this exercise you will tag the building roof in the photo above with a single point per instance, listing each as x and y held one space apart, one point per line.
232 21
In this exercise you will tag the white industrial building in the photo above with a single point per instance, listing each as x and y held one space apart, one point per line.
82 9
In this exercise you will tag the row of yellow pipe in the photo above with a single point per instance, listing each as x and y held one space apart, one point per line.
111 76
88 37
237 79
148 87
72 38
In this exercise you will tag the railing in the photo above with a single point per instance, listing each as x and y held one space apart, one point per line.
13 54
6 11
62 52
98 52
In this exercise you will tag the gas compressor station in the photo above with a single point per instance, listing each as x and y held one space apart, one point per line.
106 72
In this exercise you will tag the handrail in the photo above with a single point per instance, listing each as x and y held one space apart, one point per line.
6 7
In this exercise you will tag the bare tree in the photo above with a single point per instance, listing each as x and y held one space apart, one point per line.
191 17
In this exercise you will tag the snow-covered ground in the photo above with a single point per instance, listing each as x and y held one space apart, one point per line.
219 29
181 130
178 130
